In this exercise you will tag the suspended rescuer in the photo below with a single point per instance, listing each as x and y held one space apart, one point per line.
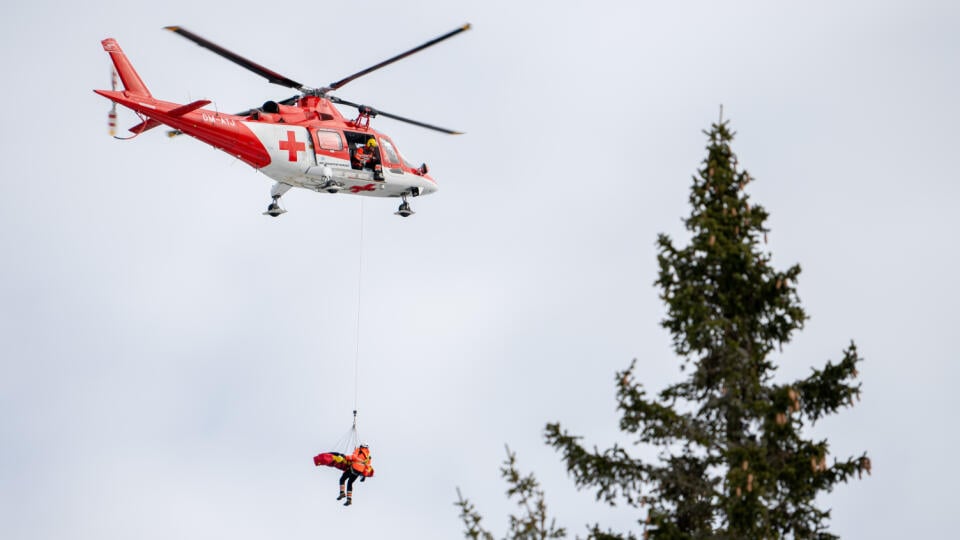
358 464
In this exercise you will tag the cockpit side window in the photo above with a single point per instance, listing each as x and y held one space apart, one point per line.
329 140
389 150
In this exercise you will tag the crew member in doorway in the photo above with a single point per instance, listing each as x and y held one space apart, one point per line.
368 155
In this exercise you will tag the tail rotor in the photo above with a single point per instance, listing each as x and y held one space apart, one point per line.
112 115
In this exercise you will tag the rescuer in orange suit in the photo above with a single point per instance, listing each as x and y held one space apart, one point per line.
368 156
359 466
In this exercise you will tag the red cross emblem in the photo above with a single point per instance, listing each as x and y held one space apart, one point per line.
292 146
358 189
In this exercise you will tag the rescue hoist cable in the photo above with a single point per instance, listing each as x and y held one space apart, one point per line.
351 439
356 360
355 442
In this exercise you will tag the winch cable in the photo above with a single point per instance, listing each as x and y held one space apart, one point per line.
351 439
356 360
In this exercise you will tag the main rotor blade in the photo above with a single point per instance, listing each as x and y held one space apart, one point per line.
393 116
269 74
400 56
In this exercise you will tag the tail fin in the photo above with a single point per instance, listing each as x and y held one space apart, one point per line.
131 81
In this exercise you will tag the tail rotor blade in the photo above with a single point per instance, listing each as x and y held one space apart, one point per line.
112 115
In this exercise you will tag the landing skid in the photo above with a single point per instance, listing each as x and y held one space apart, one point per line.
404 210
274 209
277 191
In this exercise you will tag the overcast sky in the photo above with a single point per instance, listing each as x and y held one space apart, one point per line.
170 359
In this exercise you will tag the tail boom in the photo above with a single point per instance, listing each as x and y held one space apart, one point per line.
223 131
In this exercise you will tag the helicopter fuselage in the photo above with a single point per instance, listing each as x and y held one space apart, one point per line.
303 141
320 155
289 147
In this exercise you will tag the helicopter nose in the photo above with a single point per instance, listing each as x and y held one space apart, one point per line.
429 188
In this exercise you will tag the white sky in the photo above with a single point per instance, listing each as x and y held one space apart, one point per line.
171 359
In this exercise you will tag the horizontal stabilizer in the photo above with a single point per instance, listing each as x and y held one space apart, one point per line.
150 123
176 112
189 107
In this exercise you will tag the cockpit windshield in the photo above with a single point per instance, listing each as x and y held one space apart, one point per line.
393 154
388 148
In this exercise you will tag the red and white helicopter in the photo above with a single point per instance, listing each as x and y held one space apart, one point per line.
302 141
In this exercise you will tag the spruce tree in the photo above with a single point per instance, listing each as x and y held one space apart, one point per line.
733 460
532 524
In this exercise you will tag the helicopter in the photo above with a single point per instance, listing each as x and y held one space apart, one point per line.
302 141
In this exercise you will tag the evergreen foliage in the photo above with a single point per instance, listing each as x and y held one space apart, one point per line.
531 525
733 459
